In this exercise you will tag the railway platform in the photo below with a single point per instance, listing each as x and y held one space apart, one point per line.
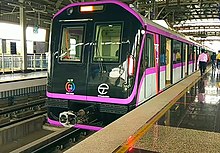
16 84
184 118
12 77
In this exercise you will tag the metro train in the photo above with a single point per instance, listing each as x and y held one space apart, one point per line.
106 59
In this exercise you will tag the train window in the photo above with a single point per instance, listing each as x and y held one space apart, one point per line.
72 41
190 55
195 52
150 51
185 48
108 40
162 51
177 51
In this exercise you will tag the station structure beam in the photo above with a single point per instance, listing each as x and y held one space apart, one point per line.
23 35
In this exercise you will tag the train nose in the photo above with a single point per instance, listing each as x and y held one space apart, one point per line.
68 119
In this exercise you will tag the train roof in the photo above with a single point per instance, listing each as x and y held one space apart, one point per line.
170 33
149 25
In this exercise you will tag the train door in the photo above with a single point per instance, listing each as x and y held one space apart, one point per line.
182 60
156 55
197 55
190 60
177 60
162 61
185 65
150 72
168 61
72 59
194 57
105 69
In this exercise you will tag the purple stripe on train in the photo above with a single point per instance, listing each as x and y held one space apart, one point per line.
177 65
78 126
191 62
162 68
151 70
87 127
91 98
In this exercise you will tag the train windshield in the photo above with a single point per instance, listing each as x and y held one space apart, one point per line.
72 44
107 43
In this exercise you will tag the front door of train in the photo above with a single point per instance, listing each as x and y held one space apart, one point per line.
76 50
104 60
74 54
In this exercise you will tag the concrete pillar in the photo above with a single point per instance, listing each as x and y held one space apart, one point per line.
23 36
3 52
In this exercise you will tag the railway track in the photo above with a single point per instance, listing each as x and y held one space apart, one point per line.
19 112
64 138
59 140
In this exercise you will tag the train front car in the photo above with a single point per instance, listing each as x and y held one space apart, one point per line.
94 56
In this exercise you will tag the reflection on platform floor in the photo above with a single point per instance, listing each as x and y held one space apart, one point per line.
21 76
201 110
192 124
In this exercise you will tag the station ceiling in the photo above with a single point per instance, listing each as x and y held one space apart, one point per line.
177 13
198 18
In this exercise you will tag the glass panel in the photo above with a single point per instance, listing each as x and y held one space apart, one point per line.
162 51
190 53
184 52
108 40
176 51
194 52
150 50
72 42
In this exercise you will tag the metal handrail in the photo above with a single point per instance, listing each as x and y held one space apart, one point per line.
11 63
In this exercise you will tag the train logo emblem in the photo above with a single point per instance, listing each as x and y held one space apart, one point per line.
70 86
103 89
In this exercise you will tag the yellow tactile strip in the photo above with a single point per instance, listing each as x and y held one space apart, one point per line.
166 139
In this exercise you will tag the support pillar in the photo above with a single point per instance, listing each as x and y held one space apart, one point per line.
3 52
23 36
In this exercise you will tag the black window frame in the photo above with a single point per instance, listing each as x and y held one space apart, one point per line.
120 45
60 43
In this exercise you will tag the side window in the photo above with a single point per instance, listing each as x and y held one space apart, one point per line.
162 51
194 52
185 47
177 51
190 54
72 42
149 56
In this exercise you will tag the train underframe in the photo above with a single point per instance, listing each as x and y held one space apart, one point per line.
69 113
